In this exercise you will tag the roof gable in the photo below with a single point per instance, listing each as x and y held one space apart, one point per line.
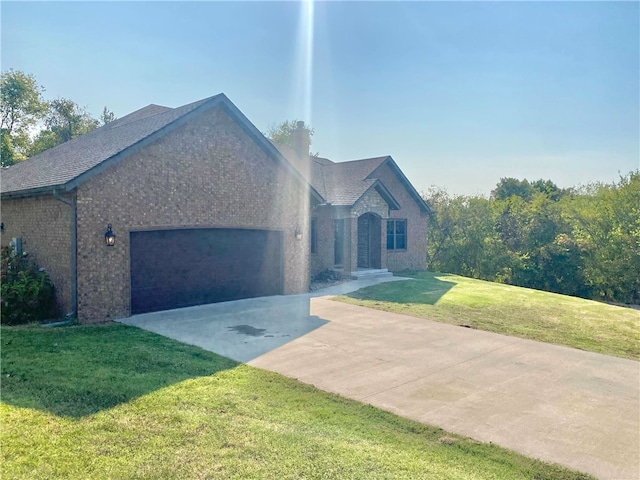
344 183
404 180
71 163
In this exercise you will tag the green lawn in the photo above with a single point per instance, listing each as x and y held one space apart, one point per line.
521 312
116 402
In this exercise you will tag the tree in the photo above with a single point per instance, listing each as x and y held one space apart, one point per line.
68 120
462 238
606 225
509 187
107 116
64 120
281 133
21 106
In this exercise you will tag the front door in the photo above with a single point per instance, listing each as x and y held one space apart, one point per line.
369 249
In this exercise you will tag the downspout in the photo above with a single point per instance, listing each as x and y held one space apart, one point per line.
74 252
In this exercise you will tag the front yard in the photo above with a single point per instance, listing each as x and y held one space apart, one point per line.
521 312
118 402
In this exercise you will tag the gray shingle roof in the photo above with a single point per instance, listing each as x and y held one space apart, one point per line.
340 184
69 163
65 162
343 183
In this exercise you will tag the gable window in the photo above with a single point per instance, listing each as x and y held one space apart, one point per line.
396 234
314 235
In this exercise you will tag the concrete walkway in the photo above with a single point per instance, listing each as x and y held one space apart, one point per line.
557 404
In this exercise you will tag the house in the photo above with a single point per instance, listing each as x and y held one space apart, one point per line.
370 217
204 209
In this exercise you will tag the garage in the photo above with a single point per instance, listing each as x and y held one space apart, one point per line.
186 267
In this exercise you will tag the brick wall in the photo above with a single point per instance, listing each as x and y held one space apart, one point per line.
44 224
206 173
415 256
324 258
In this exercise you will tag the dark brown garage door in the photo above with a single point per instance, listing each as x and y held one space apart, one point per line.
180 268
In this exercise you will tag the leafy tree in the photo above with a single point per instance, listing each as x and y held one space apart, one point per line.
64 120
68 120
579 242
21 106
107 116
509 187
549 188
462 238
281 133
606 224
7 150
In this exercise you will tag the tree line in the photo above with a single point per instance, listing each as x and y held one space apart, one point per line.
30 124
579 241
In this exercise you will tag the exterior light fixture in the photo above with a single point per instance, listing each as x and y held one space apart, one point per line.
2 227
298 234
109 237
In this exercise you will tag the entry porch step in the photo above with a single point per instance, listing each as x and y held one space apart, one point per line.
364 273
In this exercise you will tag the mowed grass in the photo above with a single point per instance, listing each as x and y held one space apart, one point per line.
115 402
510 310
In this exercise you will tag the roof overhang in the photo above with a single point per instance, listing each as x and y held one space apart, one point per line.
34 192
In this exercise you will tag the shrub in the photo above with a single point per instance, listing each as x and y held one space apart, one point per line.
27 293
327 276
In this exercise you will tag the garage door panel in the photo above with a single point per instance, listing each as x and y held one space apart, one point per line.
179 268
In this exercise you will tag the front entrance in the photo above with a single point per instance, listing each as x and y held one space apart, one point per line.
369 241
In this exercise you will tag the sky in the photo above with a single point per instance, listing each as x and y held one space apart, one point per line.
460 94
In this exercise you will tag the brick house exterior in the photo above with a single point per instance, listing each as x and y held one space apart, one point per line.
363 201
190 192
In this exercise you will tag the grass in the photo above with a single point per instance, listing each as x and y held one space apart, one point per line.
509 310
117 402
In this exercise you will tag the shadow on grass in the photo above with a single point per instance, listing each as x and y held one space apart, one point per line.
426 289
79 371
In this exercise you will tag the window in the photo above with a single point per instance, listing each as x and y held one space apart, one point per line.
314 235
396 234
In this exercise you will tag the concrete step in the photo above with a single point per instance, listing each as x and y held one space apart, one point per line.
371 273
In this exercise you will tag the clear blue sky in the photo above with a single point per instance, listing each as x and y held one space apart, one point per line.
460 94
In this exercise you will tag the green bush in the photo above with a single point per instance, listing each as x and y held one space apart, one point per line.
327 276
27 293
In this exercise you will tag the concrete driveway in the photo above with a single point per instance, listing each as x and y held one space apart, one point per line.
245 329
557 404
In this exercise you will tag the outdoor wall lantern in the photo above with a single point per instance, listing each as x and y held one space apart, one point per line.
298 234
109 237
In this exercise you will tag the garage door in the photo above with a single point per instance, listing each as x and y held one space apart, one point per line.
180 268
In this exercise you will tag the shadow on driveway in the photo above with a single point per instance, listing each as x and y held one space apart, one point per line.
244 329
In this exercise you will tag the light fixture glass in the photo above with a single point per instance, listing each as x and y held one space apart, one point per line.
109 237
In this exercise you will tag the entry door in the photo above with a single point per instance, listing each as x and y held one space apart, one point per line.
369 251
364 242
